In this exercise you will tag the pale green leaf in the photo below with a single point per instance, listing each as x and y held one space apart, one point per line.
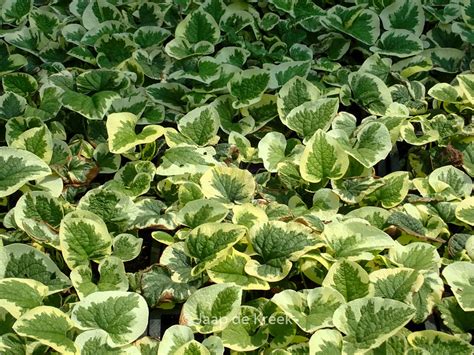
200 125
20 295
311 116
349 279
19 167
212 308
228 184
323 158
435 342
355 239
122 315
368 322
458 275
83 237
122 136
50 326
310 310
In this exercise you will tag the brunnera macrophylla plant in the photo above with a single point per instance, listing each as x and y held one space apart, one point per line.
268 177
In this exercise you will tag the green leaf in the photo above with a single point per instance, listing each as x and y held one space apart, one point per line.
349 279
24 261
11 105
445 92
179 264
133 179
39 214
84 237
458 275
355 239
398 43
20 295
368 322
97 12
454 317
122 315
212 308
112 277
186 159
395 189
282 73
12 344
113 50
93 107
357 22
209 242
126 246
19 167
122 136
101 80
150 214
427 296
228 184
197 27
294 93
153 63
231 269
371 145
150 36
353 190
180 48
405 15
323 158
200 125
201 211
37 140
310 310
28 39
248 86
434 342
418 256
278 243
311 116
49 106
284 5
49 326
11 63
147 345
396 284
159 288
20 83
370 92
450 182
229 120
15 10
168 94
115 209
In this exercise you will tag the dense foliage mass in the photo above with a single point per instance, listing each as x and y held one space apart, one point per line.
286 176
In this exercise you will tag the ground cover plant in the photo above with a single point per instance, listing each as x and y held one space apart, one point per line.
262 177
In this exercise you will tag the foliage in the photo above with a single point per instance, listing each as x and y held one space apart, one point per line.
290 176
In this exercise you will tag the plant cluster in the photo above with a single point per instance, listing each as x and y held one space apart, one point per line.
292 176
